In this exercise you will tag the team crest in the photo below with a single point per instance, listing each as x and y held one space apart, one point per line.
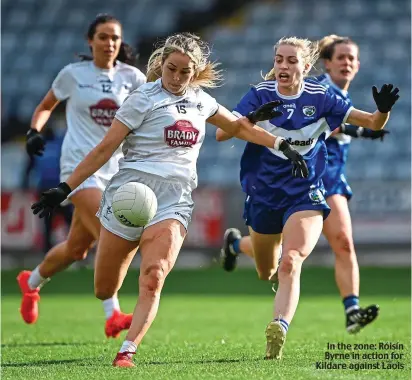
309 110
316 196
200 108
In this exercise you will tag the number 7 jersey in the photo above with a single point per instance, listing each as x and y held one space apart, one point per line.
308 118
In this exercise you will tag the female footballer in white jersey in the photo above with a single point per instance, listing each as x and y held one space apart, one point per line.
340 56
94 90
284 206
159 156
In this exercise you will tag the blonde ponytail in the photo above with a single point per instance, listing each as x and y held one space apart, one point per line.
206 72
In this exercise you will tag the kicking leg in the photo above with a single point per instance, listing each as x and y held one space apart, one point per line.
159 246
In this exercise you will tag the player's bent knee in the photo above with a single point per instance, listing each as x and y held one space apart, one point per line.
78 256
290 262
343 243
264 275
105 288
152 279
104 292
77 251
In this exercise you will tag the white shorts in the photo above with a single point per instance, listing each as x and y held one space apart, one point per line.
93 181
174 201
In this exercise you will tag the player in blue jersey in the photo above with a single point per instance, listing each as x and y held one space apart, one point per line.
341 60
288 206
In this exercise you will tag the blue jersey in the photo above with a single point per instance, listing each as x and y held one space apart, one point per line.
338 148
47 167
308 118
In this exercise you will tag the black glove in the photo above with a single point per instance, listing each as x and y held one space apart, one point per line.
34 143
386 98
300 168
265 112
50 199
366 133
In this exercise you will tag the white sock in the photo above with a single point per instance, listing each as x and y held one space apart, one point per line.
110 305
36 280
128 346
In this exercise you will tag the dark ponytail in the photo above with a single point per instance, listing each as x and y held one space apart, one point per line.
126 53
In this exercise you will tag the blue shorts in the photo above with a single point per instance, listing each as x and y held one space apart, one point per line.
336 183
266 220
334 179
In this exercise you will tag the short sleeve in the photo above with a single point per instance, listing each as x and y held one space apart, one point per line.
250 102
335 110
134 109
140 79
208 105
64 83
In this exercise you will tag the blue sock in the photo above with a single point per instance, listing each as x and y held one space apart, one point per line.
236 246
351 303
283 323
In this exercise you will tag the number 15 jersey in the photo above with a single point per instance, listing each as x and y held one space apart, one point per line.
167 131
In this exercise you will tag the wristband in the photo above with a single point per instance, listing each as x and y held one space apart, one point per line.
277 143
65 187
32 132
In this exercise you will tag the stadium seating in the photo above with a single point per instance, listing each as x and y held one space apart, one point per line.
37 41
247 51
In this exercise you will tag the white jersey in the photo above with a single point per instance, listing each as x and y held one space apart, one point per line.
167 131
93 97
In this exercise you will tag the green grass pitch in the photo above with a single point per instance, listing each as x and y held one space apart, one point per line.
210 326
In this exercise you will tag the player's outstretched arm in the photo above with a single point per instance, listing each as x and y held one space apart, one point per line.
35 143
264 112
221 135
385 100
365 133
91 163
244 129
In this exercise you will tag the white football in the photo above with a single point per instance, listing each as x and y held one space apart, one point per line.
134 204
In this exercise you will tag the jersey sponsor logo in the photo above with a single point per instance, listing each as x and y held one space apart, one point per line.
108 212
85 85
103 112
181 133
309 110
184 217
300 142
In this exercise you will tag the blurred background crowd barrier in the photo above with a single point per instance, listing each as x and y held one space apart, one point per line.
40 38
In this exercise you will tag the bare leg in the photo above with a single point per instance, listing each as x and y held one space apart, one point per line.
84 230
160 245
266 248
301 233
338 230
246 246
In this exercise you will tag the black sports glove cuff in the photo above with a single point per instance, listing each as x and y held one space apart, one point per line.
283 145
31 132
251 117
353 131
65 187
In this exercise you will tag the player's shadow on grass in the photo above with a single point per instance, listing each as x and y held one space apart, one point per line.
42 362
203 361
45 344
